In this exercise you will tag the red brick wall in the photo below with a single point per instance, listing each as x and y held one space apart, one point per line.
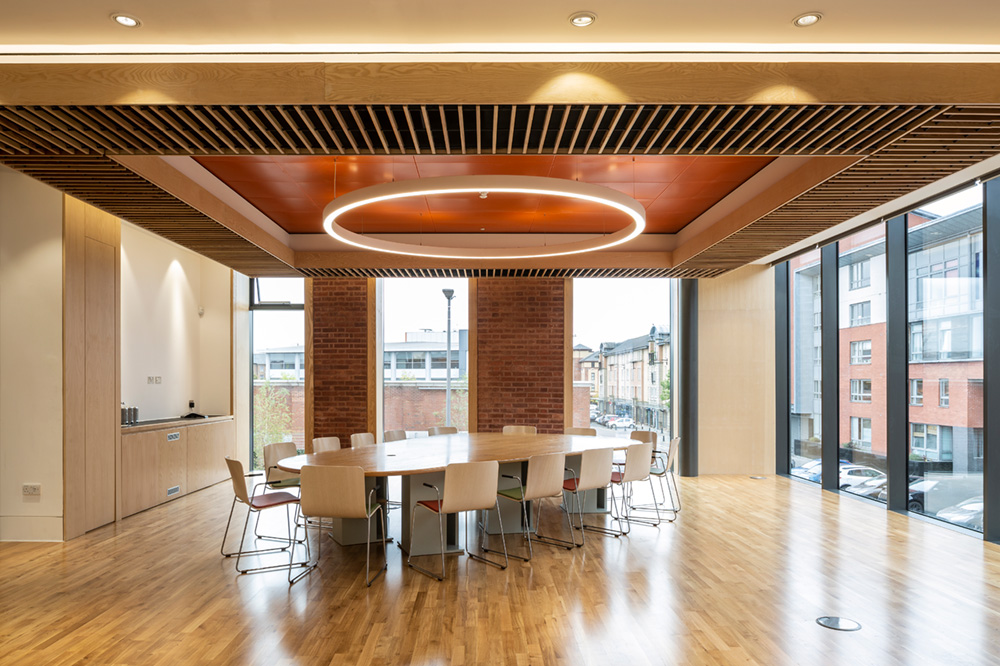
581 406
420 406
520 366
340 357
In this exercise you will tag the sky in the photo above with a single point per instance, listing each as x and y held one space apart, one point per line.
604 310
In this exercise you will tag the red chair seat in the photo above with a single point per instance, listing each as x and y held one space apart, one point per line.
433 505
571 484
616 477
272 499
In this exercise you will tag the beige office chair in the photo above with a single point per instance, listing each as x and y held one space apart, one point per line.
595 473
393 435
589 432
339 492
360 439
442 430
274 477
255 504
638 459
545 480
519 430
321 444
470 486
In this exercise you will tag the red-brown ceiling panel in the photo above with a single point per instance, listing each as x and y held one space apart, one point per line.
293 190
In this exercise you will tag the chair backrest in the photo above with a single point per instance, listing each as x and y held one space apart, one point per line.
321 444
519 430
644 436
595 468
637 460
393 435
333 492
589 432
545 476
470 486
442 430
272 454
239 481
675 444
360 439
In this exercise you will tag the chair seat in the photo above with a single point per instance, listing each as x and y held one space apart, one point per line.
272 499
433 505
512 493
616 477
571 484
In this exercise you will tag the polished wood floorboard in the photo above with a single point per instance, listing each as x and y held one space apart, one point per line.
739 579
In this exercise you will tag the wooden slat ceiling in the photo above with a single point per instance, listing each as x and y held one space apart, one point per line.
907 146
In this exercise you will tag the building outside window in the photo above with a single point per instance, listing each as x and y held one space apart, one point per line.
943 396
916 392
861 313
861 352
861 390
861 433
861 274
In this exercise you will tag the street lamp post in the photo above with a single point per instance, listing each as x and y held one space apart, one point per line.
448 294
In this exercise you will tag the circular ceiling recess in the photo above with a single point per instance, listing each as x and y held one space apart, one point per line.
481 187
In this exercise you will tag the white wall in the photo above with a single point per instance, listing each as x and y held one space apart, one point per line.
31 363
163 335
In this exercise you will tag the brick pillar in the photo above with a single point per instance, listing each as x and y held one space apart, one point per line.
340 357
521 333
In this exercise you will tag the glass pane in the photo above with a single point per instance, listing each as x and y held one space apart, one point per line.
415 375
278 379
621 363
805 317
861 321
945 315
279 290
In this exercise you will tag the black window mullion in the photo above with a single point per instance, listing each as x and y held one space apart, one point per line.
991 361
830 367
782 377
897 366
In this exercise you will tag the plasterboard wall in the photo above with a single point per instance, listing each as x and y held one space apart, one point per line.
31 365
175 319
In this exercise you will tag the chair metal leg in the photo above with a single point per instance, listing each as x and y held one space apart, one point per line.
239 552
550 540
527 531
273 567
409 556
482 544
614 515
368 547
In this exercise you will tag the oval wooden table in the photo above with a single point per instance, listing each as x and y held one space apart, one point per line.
423 459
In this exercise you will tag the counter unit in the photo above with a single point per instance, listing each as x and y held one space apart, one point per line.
167 459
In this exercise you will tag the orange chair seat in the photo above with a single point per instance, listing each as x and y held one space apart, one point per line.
272 499
433 505
616 477
571 484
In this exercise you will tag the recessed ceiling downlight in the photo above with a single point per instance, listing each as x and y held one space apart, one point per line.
126 21
582 19
807 19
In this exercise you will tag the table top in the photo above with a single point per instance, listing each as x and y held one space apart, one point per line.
433 454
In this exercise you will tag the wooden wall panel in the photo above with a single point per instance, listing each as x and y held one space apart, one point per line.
101 418
140 472
736 373
207 448
171 464
74 371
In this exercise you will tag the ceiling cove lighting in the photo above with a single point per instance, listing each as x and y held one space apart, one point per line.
126 21
807 19
423 187
582 19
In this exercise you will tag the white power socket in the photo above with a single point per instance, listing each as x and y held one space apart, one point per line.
31 489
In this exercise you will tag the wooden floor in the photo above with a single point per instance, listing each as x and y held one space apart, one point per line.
740 578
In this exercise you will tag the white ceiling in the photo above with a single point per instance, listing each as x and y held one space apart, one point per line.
269 26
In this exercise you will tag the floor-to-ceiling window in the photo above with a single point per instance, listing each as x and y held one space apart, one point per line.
944 275
861 316
805 363
423 373
278 374
622 354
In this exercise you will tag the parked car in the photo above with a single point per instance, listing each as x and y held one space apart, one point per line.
604 418
853 475
623 423
807 469
968 513
933 494
871 487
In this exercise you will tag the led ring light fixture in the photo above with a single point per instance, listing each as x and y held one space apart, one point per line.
423 187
